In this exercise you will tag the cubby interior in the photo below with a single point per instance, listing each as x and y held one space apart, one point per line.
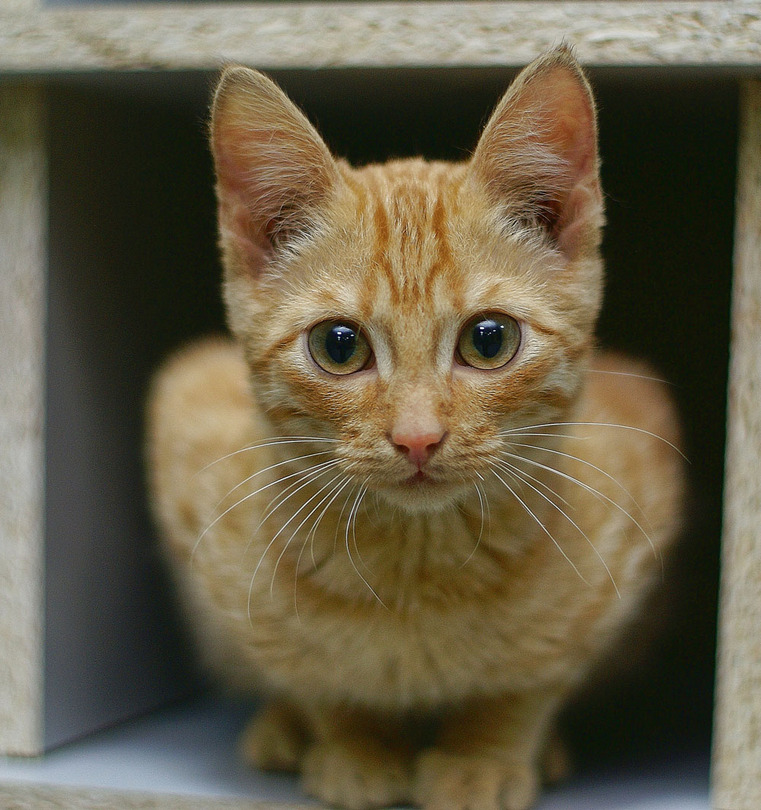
134 273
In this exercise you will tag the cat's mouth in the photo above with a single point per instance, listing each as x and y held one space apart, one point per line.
422 480
421 492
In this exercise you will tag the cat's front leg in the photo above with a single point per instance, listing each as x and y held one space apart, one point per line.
357 761
276 738
488 755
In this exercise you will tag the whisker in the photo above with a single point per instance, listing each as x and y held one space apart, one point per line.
340 516
374 517
523 476
280 531
573 523
538 522
287 492
313 531
592 491
267 443
586 463
255 492
307 477
350 525
298 528
354 538
544 435
481 496
518 430
629 374
264 470
301 475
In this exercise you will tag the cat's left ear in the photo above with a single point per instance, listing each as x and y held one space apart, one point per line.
538 155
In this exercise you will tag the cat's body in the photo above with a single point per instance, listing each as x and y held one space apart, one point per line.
441 525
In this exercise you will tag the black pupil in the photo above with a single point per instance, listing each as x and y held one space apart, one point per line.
487 338
340 343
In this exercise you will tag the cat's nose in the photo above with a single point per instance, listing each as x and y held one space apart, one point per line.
418 445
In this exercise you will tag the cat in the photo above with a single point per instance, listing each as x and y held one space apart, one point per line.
408 500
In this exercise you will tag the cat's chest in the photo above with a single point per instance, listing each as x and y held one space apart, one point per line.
433 637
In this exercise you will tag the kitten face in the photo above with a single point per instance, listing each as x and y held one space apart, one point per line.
414 311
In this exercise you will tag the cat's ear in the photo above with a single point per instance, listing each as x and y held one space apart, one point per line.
273 169
538 155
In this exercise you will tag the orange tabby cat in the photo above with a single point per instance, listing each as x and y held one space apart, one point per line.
409 502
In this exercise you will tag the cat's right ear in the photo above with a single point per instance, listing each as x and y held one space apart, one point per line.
273 169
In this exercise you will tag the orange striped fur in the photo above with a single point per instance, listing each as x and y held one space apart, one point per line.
421 543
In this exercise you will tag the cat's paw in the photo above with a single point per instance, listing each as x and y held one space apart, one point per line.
459 782
556 762
357 776
274 739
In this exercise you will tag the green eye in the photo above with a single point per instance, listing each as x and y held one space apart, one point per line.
489 341
339 347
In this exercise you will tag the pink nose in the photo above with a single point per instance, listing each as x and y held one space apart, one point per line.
418 445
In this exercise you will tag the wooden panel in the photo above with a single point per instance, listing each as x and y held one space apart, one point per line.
22 312
737 750
295 35
39 797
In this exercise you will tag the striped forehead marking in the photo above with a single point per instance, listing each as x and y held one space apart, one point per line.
411 250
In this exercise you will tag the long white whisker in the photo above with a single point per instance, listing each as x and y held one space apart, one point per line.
573 523
313 531
538 522
255 492
329 500
295 486
350 528
269 469
268 443
518 430
354 538
304 520
586 463
481 497
505 434
592 491
323 471
524 476
488 508
307 477
628 374
341 514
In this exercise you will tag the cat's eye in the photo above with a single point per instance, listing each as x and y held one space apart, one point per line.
489 341
339 347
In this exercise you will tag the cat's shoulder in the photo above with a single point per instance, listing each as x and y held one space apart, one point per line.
200 403
199 410
208 372
630 391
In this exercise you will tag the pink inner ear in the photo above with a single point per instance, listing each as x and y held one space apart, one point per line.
576 140
566 124
247 163
250 190
582 204
268 181
538 154
574 136
246 249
